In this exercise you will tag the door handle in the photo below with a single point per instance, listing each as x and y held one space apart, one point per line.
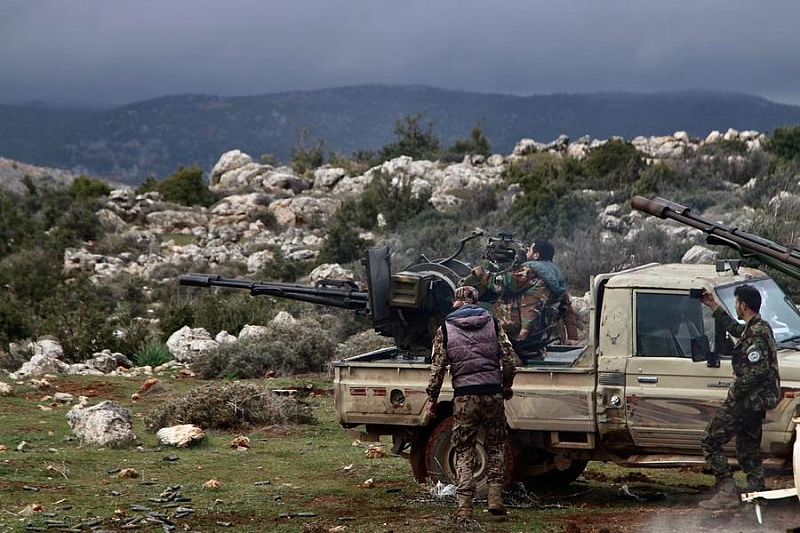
647 379
719 385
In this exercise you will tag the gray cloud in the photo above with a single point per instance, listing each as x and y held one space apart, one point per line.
102 52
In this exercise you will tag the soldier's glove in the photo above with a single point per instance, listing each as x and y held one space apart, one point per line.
507 393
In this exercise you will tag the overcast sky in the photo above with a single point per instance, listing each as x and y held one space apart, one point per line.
102 52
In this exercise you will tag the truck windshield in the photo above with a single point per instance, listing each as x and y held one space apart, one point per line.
776 308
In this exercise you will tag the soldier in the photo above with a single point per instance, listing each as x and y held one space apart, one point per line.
524 294
482 369
755 389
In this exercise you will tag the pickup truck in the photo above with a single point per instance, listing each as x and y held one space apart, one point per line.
635 394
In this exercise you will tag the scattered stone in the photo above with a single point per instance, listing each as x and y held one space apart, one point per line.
375 452
211 484
241 443
63 397
224 524
5 389
171 458
186 373
23 446
31 509
368 484
181 435
3 448
127 473
105 424
30 488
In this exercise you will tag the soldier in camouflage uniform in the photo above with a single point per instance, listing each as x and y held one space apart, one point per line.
523 294
755 389
482 369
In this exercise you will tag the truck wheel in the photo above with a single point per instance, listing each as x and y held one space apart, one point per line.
441 458
555 477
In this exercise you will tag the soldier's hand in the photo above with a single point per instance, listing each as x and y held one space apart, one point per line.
707 299
508 393
432 409
477 271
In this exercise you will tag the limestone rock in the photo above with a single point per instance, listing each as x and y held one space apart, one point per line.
110 221
107 362
105 424
174 220
326 177
223 337
284 319
228 161
5 389
699 255
250 332
181 435
39 365
259 260
681 136
301 210
48 348
713 137
187 343
63 397
331 271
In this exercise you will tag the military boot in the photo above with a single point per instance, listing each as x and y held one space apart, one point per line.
464 506
496 506
727 497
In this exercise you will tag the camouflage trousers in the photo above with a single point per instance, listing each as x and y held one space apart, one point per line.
471 412
732 420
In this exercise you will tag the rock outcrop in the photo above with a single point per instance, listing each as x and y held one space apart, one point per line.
105 424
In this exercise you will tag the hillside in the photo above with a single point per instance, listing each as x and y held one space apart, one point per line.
156 136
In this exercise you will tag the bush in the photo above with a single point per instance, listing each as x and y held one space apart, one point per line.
308 154
785 142
281 268
152 353
300 348
85 188
724 148
227 407
413 139
476 144
613 166
185 186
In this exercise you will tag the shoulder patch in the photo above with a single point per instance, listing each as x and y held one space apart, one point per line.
754 356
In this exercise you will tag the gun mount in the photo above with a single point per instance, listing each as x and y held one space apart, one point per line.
749 246
408 305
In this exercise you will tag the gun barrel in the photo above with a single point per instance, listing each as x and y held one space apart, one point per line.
341 294
769 252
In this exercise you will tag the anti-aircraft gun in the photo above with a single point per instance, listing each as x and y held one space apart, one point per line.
408 305
750 247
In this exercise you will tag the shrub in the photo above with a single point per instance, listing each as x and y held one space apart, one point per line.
308 154
655 178
614 165
363 342
342 244
281 268
302 347
229 406
152 353
724 148
785 142
476 144
185 186
84 188
413 139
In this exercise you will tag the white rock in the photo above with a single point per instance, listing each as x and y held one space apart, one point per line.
223 337
284 319
110 221
713 137
699 255
731 135
301 210
326 177
187 344
105 424
181 435
302 255
63 397
527 146
681 136
107 362
331 271
227 162
39 365
259 260
615 210
250 332
496 160
173 220
5 389
48 348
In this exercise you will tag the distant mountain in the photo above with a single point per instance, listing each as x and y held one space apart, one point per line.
156 136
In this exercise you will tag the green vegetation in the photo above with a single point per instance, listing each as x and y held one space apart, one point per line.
613 166
413 139
85 188
308 154
785 142
476 144
185 186
152 353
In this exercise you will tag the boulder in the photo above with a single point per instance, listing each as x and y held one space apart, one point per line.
63 397
699 255
223 337
326 177
39 365
713 137
331 271
249 175
110 221
107 362
249 332
527 146
731 135
187 344
48 348
105 424
228 161
284 319
681 136
181 435
259 260
240 204
302 210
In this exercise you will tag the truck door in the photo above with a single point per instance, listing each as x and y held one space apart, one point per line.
670 398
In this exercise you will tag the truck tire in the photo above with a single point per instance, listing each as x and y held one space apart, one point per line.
440 459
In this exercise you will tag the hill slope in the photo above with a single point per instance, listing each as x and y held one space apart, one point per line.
155 136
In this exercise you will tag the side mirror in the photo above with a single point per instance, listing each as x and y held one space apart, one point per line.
701 349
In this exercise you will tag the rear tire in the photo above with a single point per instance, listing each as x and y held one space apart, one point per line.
441 465
553 477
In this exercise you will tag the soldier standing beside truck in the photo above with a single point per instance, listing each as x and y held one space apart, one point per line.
482 368
755 389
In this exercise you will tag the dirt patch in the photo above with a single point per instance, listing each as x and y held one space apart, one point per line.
90 390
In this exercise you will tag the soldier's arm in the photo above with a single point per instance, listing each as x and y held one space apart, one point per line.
507 356
755 370
724 320
439 363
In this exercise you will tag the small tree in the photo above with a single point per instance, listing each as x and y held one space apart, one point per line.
86 188
476 144
785 142
613 165
413 139
184 186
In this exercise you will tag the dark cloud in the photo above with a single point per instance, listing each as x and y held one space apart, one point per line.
112 52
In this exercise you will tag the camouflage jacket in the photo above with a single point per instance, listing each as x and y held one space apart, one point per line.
521 295
755 362
439 362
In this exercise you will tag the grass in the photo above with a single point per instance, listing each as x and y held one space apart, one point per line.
180 239
304 464
152 353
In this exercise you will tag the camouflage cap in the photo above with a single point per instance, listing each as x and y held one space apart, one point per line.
467 294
